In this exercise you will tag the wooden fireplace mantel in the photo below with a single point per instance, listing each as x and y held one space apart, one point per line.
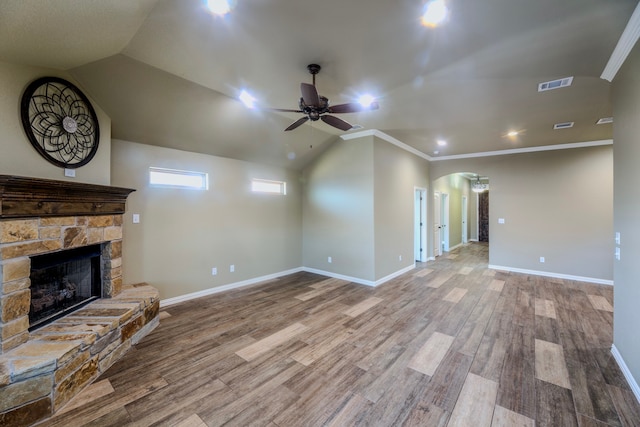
23 197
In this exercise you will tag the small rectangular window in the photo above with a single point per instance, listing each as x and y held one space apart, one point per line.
264 186
178 179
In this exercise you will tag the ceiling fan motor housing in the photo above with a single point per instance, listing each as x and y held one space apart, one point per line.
312 111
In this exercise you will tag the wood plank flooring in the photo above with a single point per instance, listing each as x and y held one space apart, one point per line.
451 343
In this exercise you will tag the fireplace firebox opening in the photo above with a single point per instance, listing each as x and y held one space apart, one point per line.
62 282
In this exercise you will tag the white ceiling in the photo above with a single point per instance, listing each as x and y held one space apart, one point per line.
168 71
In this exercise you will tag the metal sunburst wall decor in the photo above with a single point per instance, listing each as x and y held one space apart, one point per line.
60 122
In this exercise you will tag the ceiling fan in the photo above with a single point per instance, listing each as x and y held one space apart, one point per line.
315 106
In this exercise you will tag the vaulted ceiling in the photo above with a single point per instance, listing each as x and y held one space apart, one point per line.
168 72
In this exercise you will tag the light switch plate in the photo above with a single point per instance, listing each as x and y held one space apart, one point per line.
500 220
71 173
136 218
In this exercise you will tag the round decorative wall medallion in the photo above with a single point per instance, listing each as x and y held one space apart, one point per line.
60 122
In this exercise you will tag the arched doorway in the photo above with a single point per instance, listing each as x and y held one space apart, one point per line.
461 210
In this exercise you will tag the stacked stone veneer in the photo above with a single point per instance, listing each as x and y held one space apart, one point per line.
42 370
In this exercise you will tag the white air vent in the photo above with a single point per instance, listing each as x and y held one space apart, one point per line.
605 120
555 84
565 125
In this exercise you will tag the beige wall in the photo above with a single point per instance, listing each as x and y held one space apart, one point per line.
338 210
396 175
17 155
556 204
626 153
184 233
359 207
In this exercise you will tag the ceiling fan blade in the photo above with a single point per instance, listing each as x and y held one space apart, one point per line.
297 123
352 107
336 122
285 110
310 95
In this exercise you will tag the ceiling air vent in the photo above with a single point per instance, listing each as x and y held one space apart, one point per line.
555 84
605 120
565 125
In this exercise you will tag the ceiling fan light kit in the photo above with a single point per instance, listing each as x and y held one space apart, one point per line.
317 107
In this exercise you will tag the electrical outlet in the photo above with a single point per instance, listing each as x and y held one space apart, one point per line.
232 268
500 220
71 173
618 254
541 259
329 260
214 271
399 257
617 237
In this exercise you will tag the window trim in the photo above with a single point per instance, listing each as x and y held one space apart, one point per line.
282 185
177 172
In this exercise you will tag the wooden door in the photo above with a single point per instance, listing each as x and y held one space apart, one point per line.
483 216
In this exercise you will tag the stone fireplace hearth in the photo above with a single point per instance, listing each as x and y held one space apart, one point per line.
42 370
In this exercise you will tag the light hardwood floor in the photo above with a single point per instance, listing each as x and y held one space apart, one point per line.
451 343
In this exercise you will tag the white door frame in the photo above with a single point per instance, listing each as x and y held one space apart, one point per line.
444 221
437 240
465 220
420 224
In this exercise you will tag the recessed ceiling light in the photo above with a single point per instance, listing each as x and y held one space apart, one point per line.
219 7
247 99
442 142
513 133
555 84
604 120
436 152
565 125
366 100
435 13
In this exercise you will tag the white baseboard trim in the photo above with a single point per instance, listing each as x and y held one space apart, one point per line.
230 286
339 276
454 247
556 275
627 373
359 280
431 258
182 298
473 240
395 274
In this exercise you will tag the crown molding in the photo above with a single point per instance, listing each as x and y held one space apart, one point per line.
402 145
388 138
627 40
527 150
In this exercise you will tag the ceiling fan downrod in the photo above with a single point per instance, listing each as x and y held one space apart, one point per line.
313 70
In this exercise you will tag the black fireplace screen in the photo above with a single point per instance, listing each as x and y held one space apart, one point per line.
62 282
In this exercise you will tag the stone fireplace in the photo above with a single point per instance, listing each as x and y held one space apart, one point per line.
72 231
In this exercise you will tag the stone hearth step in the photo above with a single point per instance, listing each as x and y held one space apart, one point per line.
38 377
